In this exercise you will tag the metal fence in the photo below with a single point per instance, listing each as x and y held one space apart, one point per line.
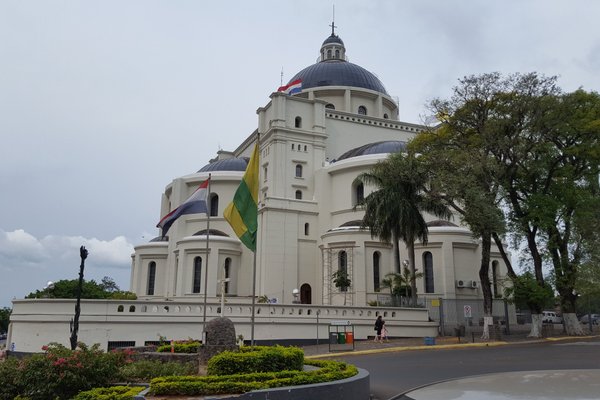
454 314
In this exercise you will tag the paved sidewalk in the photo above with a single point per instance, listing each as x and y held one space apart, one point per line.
405 344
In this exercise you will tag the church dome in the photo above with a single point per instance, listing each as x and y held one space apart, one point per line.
338 73
388 146
228 164
333 69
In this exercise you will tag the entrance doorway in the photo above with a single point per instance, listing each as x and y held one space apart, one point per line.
305 294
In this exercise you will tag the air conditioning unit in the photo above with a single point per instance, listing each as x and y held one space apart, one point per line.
461 283
474 284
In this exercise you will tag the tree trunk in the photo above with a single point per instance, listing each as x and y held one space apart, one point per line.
396 248
536 326
572 325
486 287
413 273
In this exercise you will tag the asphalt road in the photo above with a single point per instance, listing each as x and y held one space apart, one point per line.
395 373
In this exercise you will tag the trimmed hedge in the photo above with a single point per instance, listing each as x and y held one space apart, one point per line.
110 393
241 383
179 348
256 359
144 370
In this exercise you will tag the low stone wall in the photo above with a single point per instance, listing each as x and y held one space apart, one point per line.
354 388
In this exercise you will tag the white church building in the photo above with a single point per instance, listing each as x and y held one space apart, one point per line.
313 146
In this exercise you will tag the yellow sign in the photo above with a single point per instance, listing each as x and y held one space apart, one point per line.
435 302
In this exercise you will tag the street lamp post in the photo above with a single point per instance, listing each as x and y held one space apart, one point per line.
83 253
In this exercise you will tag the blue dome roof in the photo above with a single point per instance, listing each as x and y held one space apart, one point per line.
228 164
389 146
333 39
338 73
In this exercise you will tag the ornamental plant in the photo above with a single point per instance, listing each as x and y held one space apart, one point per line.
60 373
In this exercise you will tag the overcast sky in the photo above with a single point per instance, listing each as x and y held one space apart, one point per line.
103 103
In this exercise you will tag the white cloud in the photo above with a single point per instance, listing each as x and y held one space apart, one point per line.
27 262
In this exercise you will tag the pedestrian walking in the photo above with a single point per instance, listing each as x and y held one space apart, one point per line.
379 323
384 333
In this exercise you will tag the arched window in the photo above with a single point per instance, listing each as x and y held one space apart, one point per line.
306 229
359 192
298 122
197 278
214 205
376 259
329 53
298 171
292 146
305 148
151 278
298 194
362 110
337 54
343 266
227 272
495 266
385 116
330 106
428 272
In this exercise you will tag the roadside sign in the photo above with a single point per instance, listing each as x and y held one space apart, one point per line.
340 323
435 302
467 310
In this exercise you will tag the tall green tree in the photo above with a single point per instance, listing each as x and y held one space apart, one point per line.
458 155
4 318
550 164
394 209
540 149
67 289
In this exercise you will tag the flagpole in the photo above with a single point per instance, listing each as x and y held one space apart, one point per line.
254 262
206 264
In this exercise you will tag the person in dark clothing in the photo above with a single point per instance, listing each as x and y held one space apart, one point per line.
378 327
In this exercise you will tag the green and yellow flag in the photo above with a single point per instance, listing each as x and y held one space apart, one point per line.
242 212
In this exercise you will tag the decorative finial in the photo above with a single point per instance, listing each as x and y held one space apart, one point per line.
333 23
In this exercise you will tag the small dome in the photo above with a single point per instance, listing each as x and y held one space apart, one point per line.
356 222
213 232
333 39
160 239
440 222
389 146
228 164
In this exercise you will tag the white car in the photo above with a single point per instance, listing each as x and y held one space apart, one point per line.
551 317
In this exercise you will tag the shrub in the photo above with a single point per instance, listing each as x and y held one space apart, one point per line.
60 372
186 347
9 374
110 393
144 370
240 383
256 359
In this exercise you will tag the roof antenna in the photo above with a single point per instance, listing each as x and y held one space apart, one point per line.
333 23
281 83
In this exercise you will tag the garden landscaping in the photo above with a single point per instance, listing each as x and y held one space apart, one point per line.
90 374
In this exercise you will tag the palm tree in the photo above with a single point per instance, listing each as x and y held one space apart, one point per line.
394 210
400 284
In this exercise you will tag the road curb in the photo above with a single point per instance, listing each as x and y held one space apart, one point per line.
446 346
